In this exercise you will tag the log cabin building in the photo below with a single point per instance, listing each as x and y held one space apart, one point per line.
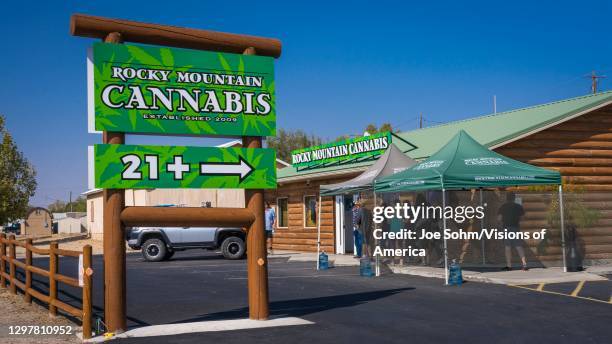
573 136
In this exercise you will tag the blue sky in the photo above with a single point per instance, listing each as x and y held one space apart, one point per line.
344 65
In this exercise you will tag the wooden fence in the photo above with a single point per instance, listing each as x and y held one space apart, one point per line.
54 252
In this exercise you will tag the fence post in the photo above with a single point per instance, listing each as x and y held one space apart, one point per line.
2 261
52 281
28 274
87 273
12 258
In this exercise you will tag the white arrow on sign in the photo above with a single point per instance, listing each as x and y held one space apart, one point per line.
241 169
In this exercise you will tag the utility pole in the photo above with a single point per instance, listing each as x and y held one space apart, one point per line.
595 80
494 104
421 120
70 201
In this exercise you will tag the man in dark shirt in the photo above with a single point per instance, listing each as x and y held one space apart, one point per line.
510 214
357 232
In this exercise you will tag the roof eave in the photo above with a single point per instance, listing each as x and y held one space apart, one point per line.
508 140
322 175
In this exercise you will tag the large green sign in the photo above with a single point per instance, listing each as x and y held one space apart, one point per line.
143 89
342 150
133 167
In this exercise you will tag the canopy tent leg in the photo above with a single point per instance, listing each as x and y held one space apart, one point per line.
376 243
482 242
561 213
319 233
444 236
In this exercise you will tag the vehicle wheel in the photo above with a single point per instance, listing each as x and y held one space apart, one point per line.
233 248
154 250
169 255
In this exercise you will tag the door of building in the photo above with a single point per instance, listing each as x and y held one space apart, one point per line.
339 230
344 224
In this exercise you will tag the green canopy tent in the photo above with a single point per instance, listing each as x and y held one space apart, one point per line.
463 163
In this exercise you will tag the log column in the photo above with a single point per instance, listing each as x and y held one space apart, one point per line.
257 254
114 241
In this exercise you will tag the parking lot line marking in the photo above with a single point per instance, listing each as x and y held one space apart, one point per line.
561 294
578 288
540 287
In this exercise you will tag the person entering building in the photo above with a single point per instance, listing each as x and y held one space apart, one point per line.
510 214
270 216
357 234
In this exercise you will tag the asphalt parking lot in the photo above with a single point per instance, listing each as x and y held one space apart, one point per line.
598 291
198 286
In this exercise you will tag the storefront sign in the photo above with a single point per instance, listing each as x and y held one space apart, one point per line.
342 150
130 166
178 91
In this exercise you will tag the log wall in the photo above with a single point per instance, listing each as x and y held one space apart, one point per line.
296 237
581 149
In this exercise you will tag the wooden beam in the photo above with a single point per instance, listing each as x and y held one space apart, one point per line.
186 217
138 32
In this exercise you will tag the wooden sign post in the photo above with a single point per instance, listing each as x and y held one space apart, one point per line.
116 215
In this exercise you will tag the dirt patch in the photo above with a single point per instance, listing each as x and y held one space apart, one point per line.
15 312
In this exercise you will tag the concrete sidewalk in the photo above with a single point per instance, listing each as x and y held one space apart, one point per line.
200 327
514 277
334 259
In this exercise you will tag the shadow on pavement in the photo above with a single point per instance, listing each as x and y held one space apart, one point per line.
301 307
219 257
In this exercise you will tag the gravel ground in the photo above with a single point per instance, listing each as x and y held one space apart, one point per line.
15 312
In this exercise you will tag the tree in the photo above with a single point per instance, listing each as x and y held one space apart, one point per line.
57 207
17 179
386 127
373 129
78 205
286 141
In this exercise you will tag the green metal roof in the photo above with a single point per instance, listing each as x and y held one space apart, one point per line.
491 130
487 130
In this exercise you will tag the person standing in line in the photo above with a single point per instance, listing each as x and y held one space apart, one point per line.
270 216
395 226
357 234
510 214
470 227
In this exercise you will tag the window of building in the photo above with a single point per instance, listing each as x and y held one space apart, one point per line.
283 212
310 211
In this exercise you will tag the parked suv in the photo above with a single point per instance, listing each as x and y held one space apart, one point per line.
160 243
